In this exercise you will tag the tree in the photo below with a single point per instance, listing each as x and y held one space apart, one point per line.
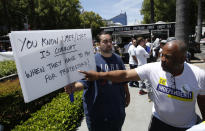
152 11
58 14
91 20
182 22
40 14
5 11
199 22
47 14
164 10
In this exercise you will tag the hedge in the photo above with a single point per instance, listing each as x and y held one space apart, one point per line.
7 68
59 115
13 110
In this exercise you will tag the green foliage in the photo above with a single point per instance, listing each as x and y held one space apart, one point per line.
13 110
60 114
40 14
48 14
58 14
91 20
7 68
165 10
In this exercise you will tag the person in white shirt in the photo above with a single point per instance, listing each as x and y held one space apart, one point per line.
142 56
126 47
156 47
133 60
149 49
198 127
148 43
176 86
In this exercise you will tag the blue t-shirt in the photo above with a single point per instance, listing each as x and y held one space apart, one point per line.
103 99
148 49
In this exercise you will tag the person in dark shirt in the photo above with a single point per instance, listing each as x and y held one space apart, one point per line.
104 102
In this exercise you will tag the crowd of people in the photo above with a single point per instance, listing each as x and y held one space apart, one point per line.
172 84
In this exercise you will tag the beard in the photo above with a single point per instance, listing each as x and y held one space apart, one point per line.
164 67
170 69
107 51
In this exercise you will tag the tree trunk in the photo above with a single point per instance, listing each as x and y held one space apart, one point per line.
199 22
31 17
182 20
152 11
7 18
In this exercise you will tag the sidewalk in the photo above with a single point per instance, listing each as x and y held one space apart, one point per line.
138 113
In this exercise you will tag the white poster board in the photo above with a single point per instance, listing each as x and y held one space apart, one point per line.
50 59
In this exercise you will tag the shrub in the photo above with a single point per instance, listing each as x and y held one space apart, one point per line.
59 114
13 110
7 68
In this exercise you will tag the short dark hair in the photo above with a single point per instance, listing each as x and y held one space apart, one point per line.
139 39
148 39
133 39
102 33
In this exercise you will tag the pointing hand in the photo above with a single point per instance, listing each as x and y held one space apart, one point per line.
90 75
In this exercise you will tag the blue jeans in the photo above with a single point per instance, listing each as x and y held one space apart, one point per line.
105 125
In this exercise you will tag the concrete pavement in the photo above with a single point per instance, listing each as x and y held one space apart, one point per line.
138 113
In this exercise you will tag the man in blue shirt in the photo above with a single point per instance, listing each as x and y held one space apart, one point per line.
104 102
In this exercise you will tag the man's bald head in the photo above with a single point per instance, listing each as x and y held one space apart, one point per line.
173 56
177 46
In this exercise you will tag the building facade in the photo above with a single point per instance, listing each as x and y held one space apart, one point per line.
121 18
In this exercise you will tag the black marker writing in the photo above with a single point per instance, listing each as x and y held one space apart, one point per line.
46 42
69 59
34 71
50 77
28 44
44 54
54 65
73 68
80 55
64 50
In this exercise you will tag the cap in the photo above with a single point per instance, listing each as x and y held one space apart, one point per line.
171 39
164 41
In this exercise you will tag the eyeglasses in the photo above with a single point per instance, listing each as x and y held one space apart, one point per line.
106 41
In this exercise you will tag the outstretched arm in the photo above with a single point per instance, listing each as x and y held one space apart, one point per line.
115 76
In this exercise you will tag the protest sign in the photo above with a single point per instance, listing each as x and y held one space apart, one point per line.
50 59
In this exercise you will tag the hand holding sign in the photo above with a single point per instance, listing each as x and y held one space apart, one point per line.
70 89
73 87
